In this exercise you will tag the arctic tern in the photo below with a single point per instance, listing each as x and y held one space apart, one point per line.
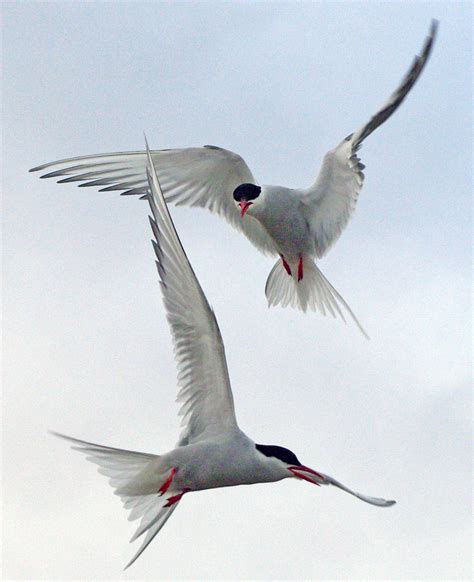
298 225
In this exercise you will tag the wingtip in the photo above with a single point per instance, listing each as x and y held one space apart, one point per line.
148 153
434 27
37 169
62 436
70 440
431 38
385 503
378 502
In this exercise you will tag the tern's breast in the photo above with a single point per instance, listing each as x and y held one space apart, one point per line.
282 218
208 465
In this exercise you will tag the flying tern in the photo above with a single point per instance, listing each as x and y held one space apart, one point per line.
298 225
212 451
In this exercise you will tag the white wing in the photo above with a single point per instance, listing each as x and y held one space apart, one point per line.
208 406
327 480
205 177
330 201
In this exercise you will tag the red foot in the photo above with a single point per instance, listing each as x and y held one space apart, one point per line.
175 498
300 269
166 485
286 265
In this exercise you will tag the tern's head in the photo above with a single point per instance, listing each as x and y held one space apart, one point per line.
290 462
245 195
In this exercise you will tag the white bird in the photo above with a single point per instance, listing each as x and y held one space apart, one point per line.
212 451
299 225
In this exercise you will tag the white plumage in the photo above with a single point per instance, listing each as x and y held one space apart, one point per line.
212 451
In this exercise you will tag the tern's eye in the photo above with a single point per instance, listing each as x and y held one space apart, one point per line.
246 192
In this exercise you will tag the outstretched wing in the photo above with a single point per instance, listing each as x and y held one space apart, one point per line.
330 201
208 406
204 177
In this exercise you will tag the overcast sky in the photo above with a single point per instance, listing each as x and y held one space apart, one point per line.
87 346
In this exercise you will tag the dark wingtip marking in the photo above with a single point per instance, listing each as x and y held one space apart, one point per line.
399 95
433 31
38 168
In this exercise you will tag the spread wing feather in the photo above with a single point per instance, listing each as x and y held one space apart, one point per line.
205 392
331 200
205 177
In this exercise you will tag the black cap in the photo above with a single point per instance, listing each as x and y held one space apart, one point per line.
281 453
246 192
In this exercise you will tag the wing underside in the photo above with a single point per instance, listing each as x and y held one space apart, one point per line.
205 392
203 177
331 200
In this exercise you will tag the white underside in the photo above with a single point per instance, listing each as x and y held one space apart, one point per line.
313 291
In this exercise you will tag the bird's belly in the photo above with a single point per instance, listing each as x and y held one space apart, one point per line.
218 466
216 472
291 235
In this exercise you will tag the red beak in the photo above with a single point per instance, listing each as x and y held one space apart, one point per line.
315 478
244 206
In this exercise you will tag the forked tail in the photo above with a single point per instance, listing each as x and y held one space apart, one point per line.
313 291
137 479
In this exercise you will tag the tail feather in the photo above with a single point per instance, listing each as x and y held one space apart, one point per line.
152 527
136 478
139 505
313 292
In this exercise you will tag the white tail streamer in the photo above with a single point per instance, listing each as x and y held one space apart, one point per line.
312 292
136 478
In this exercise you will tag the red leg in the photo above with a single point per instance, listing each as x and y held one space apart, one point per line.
300 268
175 498
286 265
164 488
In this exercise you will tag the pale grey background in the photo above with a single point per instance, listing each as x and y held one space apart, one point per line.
88 350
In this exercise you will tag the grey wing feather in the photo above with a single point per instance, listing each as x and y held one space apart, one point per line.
401 92
205 392
205 177
331 200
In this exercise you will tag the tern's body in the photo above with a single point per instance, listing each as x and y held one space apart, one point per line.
212 450
279 211
299 225
223 461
